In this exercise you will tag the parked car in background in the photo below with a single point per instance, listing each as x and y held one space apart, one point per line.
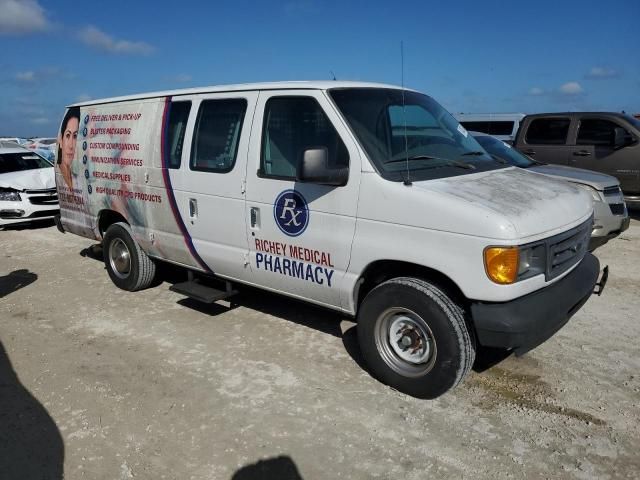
610 212
22 142
45 147
27 187
501 125
599 141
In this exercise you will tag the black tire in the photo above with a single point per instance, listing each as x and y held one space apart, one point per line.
424 320
140 270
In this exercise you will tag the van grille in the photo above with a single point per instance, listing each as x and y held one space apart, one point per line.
567 249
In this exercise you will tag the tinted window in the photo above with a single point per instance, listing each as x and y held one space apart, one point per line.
548 131
217 134
293 125
597 131
16 162
492 128
178 115
500 149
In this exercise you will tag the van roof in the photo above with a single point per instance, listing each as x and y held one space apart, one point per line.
299 85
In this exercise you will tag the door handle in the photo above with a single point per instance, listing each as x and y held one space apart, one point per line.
255 217
193 208
582 153
530 152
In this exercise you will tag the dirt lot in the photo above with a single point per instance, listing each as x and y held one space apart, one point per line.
105 384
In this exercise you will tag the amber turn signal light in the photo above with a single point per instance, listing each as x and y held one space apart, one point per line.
501 264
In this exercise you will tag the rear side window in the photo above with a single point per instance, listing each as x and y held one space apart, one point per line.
217 135
548 131
492 128
178 116
598 132
292 125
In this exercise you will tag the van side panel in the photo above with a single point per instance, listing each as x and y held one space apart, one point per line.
117 166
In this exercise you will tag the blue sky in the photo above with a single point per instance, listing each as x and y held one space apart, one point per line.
471 56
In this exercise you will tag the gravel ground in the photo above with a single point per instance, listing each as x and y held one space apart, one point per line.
103 384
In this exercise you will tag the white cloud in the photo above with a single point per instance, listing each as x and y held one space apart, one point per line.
601 72
40 120
26 77
41 75
536 91
96 38
21 17
83 97
571 88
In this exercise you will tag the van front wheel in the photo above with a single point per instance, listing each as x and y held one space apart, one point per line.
128 266
414 338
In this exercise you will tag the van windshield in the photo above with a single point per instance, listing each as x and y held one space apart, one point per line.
412 137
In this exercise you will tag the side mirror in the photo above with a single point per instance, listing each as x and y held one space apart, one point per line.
619 138
314 168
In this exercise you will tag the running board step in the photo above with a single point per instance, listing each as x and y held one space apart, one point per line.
202 293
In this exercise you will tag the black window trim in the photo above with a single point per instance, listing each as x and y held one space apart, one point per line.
260 172
195 130
184 134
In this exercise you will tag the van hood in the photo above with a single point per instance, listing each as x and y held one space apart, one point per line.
599 181
35 179
531 204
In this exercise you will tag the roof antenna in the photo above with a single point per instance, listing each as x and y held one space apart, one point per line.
333 75
407 180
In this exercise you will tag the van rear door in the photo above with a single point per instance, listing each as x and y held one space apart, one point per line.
300 234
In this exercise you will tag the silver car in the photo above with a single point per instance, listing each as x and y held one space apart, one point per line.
610 212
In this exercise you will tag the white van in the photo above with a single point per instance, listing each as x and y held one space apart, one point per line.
359 197
503 126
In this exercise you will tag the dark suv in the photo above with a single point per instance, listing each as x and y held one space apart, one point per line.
600 141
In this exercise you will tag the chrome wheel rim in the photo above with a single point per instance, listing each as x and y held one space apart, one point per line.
405 342
119 258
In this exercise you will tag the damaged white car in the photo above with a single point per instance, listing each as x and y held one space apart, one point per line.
27 187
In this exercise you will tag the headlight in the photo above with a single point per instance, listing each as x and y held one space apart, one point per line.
506 265
590 190
9 196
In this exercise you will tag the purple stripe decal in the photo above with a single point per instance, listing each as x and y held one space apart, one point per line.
167 185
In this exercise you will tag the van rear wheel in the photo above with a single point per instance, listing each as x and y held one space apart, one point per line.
129 267
414 337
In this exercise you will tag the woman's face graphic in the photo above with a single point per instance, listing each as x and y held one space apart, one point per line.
69 138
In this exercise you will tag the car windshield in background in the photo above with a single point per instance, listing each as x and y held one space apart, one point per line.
413 136
503 151
16 162
633 121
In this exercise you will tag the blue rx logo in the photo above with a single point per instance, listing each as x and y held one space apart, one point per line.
291 213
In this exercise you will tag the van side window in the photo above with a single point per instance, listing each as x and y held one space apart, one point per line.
178 116
598 132
292 125
548 131
217 134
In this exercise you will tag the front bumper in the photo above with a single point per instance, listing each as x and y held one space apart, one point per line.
526 322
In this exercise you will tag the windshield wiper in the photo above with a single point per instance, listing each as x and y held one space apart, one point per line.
448 161
473 154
